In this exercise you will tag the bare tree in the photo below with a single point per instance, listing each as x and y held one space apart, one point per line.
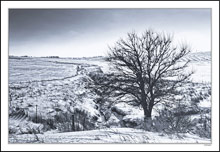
147 70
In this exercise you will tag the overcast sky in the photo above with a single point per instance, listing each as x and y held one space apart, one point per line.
88 32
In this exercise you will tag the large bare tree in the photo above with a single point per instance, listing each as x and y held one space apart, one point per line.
147 70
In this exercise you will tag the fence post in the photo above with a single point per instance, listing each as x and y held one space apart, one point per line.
73 123
84 126
36 113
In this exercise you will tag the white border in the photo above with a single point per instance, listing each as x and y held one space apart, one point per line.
120 4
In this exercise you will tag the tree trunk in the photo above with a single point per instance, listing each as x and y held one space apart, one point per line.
147 113
147 118
147 109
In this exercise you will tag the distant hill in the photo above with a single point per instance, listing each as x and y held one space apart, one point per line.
198 56
195 56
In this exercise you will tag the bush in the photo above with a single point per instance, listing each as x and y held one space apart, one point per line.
171 120
197 99
203 127
12 130
79 120
36 119
31 128
170 123
64 127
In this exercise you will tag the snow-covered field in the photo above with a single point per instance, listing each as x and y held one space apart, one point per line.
56 86
25 69
112 135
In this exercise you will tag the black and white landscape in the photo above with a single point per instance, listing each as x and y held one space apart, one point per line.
67 86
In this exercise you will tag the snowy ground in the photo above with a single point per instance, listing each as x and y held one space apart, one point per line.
58 84
113 135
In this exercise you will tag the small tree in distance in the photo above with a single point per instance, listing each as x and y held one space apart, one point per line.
147 70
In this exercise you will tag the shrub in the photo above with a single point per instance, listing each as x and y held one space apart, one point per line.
31 128
12 130
203 127
169 122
